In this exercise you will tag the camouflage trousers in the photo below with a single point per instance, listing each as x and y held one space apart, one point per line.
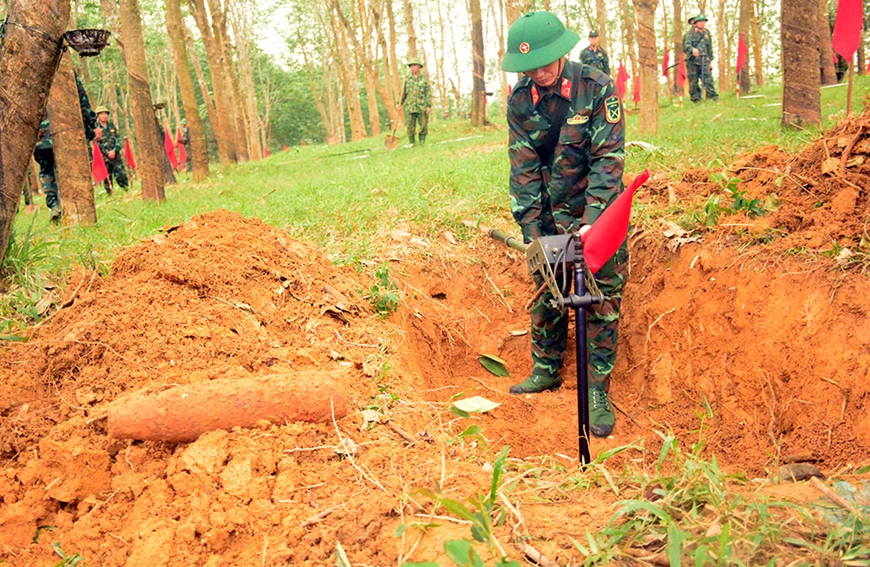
47 176
116 170
414 118
550 326
696 79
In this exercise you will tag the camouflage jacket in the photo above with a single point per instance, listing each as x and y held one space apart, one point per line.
111 139
700 40
584 174
185 136
415 94
597 59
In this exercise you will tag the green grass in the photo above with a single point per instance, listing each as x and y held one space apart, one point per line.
340 197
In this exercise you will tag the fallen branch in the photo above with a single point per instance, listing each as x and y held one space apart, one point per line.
834 497
402 433
520 539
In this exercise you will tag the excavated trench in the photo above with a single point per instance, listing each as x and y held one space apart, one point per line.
743 336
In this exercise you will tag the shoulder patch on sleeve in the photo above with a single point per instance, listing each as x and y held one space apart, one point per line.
612 109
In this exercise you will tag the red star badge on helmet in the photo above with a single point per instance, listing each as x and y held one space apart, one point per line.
524 47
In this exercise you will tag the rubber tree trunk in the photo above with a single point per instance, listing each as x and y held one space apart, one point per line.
198 156
70 147
743 78
141 106
478 82
649 69
826 52
28 58
801 104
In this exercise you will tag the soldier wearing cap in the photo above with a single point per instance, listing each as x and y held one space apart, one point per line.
595 55
110 145
416 101
566 149
698 46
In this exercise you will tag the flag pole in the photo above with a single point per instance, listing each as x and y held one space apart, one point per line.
849 91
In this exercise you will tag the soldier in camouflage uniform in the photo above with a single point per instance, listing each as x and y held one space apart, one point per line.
417 101
698 46
110 145
594 55
185 141
43 153
564 188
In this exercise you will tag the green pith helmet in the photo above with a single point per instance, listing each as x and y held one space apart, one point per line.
184 121
593 33
700 18
415 61
535 40
100 109
692 21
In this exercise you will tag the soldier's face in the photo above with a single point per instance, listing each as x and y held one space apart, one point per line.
103 116
593 41
415 70
700 25
547 75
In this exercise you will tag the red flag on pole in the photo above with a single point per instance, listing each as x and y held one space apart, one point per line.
635 95
682 75
666 60
621 79
128 154
170 149
847 28
286 147
742 54
267 152
98 166
607 233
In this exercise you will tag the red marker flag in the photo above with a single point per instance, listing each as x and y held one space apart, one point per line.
621 79
128 154
666 60
635 95
267 152
98 166
286 147
682 75
742 54
608 232
847 28
170 149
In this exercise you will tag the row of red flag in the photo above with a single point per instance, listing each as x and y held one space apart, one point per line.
101 173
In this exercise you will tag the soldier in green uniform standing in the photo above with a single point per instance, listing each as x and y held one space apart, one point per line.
594 55
698 46
43 153
110 145
567 152
417 101
185 141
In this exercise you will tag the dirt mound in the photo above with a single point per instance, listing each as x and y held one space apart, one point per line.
763 355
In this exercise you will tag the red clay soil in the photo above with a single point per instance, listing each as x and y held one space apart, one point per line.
744 339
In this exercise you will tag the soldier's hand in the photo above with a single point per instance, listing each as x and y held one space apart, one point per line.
583 230
695 52
98 134
111 154
427 110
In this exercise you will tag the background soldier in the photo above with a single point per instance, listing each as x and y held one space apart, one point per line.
416 101
110 145
698 45
561 182
43 153
594 55
185 141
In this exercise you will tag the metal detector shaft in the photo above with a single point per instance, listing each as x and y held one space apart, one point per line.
507 240
582 356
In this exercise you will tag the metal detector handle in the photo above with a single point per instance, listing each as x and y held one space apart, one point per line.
507 240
